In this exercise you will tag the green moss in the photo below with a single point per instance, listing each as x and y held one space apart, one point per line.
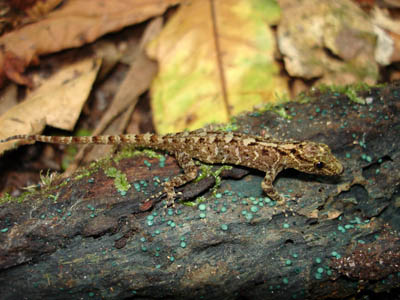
92 168
351 91
278 109
121 183
196 202
82 174
231 126
111 172
303 97
130 151
120 180
47 179
217 177
6 198
54 197
205 171
47 185
353 96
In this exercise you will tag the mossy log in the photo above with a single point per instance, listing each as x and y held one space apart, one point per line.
93 237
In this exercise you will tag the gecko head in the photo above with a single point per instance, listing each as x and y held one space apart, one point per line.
317 158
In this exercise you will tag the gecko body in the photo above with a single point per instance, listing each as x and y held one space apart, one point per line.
265 154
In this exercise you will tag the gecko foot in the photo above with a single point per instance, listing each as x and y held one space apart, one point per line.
286 208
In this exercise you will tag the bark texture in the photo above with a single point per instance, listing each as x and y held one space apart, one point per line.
87 238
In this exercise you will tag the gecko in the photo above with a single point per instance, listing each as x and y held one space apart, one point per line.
257 152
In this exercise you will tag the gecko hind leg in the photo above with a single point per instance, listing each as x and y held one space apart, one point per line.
189 173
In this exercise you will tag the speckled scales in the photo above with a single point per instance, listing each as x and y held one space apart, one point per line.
265 154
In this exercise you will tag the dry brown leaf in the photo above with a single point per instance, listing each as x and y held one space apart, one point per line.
383 19
8 97
333 41
137 80
41 8
76 23
110 56
58 101
388 32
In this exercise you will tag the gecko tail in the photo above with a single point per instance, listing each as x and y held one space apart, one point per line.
65 139
19 137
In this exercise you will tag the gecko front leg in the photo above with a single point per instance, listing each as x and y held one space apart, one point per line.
189 173
268 188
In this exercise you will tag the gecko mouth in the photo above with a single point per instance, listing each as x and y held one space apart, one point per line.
341 169
337 170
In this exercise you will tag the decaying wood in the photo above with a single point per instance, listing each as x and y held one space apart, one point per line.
85 238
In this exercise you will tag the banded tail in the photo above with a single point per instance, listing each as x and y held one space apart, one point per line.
145 140
106 139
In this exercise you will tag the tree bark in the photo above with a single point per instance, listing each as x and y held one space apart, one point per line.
85 238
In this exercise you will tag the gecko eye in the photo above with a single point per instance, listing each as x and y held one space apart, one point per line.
319 165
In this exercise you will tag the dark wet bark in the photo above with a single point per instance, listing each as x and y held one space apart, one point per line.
85 239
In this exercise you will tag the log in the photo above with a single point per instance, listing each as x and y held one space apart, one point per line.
90 237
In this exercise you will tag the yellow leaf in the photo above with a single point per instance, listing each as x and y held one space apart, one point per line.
188 91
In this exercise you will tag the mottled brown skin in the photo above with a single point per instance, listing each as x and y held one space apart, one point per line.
265 154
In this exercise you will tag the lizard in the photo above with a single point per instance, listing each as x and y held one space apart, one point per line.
262 153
